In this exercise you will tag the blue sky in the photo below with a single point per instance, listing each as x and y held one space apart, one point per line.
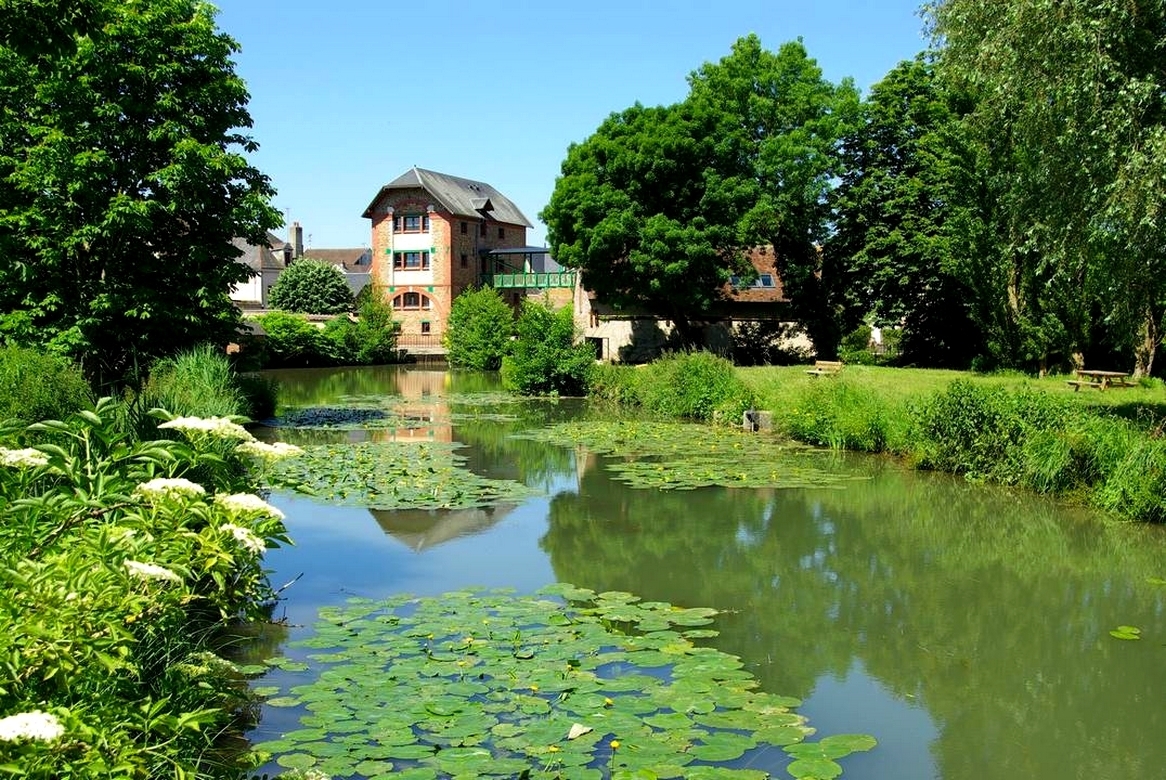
346 95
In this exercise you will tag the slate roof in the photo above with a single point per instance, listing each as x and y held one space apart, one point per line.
460 197
261 258
357 260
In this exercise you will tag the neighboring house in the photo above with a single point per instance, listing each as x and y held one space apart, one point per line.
266 263
634 337
436 235
269 261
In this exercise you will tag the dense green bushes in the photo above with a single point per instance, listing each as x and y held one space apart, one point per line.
477 335
292 341
545 357
312 287
693 385
119 572
35 385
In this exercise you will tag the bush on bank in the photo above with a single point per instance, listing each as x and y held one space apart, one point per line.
988 431
35 385
119 574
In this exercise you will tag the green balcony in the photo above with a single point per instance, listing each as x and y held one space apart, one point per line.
534 281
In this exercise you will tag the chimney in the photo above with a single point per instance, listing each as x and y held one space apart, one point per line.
296 239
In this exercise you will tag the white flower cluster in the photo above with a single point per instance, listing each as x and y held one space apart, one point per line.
150 571
31 725
245 536
243 503
166 487
219 427
272 451
27 458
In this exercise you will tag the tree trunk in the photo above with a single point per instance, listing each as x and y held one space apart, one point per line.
1149 336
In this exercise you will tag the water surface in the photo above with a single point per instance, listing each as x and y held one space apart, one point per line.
966 627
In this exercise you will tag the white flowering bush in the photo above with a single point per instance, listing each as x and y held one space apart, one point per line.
119 560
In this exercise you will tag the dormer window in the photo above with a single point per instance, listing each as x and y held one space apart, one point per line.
411 223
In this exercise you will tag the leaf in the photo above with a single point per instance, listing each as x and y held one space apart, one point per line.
814 767
1126 632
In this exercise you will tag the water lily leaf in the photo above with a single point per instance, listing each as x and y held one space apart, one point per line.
1126 632
814 767
840 745
296 761
283 701
1156 580
723 746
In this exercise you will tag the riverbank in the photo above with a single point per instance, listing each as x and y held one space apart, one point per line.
1101 447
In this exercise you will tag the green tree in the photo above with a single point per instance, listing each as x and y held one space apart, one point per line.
311 286
900 193
546 358
478 330
122 180
659 205
642 209
782 122
1071 113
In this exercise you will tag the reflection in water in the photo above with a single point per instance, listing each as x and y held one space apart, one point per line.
964 626
421 529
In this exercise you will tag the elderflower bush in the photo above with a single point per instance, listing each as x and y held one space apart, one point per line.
118 559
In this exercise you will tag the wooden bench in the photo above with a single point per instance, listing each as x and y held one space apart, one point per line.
825 368
1077 384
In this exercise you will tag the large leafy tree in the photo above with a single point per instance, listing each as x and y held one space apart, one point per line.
658 206
780 122
901 211
1071 114
122 180
643 209
477 333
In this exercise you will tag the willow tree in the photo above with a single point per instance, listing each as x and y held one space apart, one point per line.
123 180
1071 113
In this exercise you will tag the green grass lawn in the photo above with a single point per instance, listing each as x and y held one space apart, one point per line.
777 387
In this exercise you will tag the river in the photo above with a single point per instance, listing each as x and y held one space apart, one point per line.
966 627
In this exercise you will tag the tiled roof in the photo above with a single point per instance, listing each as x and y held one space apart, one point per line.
460 197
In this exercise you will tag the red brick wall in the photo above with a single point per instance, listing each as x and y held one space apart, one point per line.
445 262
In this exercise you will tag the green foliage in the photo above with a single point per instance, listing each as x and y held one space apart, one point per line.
292 341
124 182
310 286
902 191
198 382
1069 118
35 386
659 204
477 334
497 686
260 394
844 415
981 432
121 572
546 359
693 385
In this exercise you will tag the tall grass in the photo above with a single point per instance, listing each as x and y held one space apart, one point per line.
689 385
37 386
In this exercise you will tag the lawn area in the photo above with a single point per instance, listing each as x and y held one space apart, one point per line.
779 387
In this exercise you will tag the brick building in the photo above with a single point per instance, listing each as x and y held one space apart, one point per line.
435 235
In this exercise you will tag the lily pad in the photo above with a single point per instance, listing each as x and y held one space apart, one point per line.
489 684
1126 632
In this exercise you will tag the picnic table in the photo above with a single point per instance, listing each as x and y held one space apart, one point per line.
1102 380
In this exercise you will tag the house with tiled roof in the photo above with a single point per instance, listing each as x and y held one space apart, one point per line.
269 260
435 235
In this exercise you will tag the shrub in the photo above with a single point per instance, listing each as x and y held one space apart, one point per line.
545 358
376 332
292 341
478 332
694 385
197 383
843 415
37 386
1136 487
311 287
982 431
